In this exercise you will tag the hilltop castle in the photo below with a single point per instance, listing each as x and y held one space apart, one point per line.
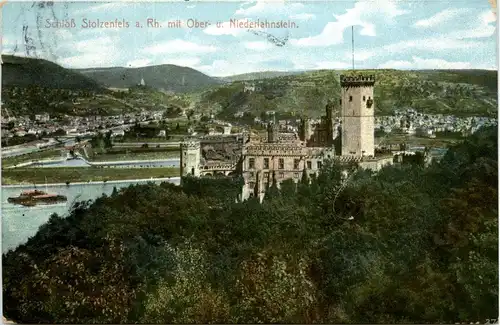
280 156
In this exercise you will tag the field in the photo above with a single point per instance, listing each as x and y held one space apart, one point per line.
46 154
81 174
165 153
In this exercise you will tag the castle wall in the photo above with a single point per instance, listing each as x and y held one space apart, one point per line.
286 161
377 164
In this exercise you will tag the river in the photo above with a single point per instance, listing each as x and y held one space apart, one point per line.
20 223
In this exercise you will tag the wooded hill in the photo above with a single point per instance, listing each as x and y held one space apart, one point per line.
30 72
167 77
457 92
454 92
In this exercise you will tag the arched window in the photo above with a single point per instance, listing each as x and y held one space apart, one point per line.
350 98
364 98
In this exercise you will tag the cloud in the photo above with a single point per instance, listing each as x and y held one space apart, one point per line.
183 62
360 15
227 29
105 7
303 16
238 65
6 41
224 68
95 43
178 46
422 64
483 26
97 52
63 35
332 65
304 64
439 18
275 7
429 44
258 45
87 60
8 45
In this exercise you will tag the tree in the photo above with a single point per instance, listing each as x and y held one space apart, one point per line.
274 289
183 296
77 285
107 140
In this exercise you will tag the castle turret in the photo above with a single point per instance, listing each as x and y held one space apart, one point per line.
190 158
272 132
305 129
329 123
358 119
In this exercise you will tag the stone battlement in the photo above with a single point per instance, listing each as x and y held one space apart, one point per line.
347 159
357 81
220 166
190 145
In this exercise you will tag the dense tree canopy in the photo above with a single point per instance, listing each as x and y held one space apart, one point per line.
410 244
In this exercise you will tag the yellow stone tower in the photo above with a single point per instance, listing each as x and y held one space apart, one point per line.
358 119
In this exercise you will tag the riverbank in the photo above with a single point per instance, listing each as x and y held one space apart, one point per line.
38 155
114 155
163 179
58 175
169 154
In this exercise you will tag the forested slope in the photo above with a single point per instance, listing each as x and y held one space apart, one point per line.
421 247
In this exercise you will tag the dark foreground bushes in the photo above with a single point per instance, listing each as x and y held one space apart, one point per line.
408 245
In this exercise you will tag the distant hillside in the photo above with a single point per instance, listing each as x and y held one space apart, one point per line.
458 92
261 75
24 72
162 77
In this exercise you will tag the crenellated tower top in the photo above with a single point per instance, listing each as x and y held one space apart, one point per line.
190 144
357 81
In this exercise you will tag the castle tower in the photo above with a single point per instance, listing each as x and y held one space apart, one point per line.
358 120
329 123
190 158
305 129
272 132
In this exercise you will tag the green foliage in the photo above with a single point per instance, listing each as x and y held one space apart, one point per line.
101 142
405 245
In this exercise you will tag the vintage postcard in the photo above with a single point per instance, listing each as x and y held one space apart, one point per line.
262 161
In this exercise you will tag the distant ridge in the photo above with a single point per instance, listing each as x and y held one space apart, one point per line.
166 77
261 75
24 72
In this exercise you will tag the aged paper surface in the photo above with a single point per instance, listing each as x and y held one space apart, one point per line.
262 161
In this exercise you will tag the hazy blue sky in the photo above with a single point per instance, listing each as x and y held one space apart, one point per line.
423 34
